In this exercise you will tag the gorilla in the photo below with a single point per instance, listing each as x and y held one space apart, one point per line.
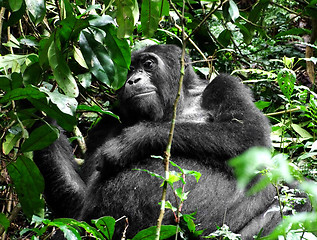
215 123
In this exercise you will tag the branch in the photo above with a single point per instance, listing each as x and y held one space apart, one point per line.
167 153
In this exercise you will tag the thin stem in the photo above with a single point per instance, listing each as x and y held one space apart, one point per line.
167 153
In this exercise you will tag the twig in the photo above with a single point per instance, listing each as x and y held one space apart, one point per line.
282 112
2 11
167 153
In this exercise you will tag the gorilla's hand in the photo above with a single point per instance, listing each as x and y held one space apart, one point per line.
131 146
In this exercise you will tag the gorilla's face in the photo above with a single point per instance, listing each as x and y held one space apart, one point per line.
145 92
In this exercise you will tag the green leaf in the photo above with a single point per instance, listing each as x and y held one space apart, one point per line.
85 79
247 164
5 84
15 61
149 233
15 5
61 71
22 93
306 222
105 225
247 37
294 31
96 57
74 224
79 58
225 37
120 54
173 177
40 138
111 72
262 104
66 104
29 185
36 9
66 121
10 141
233 10
4 222
32 74
151 13
286 79
182 195
96 108
127 17
302 132
151 173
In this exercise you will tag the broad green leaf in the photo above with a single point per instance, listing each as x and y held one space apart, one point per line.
151 13
99 21
262 104
286 79
40 138
36 9
5 83
225 37
127 17
15 5
11 61
106 225
22 93
10 141
109 67
66 121
29 185
149 233
32 74
61 71
97 58
119 51
302 132
247 37
65 104
79 58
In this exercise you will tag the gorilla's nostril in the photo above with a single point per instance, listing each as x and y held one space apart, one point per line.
133 81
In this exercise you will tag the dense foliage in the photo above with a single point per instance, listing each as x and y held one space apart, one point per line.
66 59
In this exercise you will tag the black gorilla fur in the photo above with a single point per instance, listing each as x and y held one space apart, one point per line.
214 124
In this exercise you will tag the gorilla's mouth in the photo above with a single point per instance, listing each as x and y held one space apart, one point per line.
142 94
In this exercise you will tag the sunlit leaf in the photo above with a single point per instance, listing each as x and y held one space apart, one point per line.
151 13
36 9
61 71
127 17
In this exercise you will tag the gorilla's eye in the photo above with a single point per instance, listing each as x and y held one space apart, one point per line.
148 64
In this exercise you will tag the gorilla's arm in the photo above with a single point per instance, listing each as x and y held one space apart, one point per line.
64 188
234 125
